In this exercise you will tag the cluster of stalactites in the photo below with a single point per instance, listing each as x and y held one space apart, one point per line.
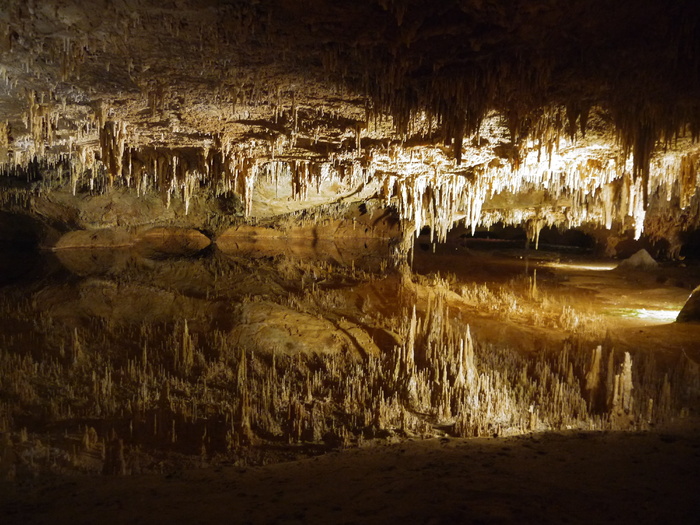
41 121
457 85
223 167
577 186
599 184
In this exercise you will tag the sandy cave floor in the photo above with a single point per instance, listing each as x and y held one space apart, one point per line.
540 478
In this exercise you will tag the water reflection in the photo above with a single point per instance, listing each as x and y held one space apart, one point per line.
133 359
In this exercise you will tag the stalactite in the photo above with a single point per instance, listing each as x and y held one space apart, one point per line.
113 140
592 184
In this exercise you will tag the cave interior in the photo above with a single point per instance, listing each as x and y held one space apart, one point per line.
240 234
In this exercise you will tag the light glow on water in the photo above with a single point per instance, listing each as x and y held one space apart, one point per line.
668 316
595 266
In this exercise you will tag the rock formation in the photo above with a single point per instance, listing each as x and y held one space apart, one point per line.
143 114
691 309
639 261
224 196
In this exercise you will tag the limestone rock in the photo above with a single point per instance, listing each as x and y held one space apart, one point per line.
691 310
639 261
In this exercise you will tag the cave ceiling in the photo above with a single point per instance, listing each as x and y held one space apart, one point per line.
530 112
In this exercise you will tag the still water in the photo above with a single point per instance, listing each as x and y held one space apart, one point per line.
141 359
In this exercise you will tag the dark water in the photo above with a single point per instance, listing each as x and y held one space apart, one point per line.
125 361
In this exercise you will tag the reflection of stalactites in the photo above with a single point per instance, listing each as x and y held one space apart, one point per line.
409 357
244 409
622 391
466 372
593 378
186 354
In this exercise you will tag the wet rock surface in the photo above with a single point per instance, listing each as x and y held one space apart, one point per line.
691 309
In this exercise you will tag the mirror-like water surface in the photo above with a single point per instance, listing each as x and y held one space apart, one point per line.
138 359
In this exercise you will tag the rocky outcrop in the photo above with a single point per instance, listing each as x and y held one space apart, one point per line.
639 261
145 114
691 310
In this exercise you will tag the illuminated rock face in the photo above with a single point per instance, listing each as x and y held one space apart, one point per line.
691 310
524 113
639 261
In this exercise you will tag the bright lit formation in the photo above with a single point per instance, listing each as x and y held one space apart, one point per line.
666 316
596 266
